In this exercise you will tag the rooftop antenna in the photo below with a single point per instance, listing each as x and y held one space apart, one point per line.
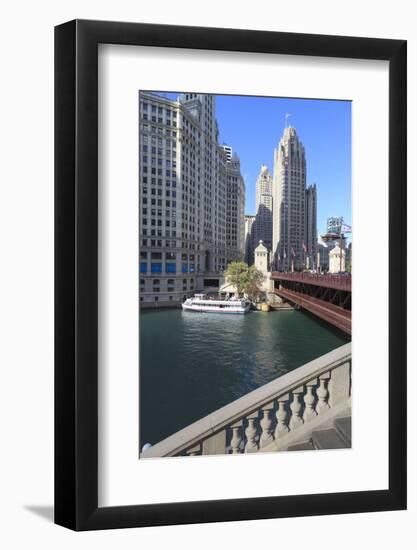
286 119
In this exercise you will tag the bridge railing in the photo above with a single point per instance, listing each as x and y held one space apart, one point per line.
331 280
268 413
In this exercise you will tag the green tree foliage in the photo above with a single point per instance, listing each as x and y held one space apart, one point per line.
246 279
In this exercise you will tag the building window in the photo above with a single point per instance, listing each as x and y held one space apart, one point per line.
156 255
156 267
184 268
143 267
171 268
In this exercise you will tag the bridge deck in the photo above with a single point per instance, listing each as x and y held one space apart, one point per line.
329 280
335 315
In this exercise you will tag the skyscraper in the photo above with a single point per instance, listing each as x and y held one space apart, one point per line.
311 222
249 249
289 196
184 186
235 210
262 226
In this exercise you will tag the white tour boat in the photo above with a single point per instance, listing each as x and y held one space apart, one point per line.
202 303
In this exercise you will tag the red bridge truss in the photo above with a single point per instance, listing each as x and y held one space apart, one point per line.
326 296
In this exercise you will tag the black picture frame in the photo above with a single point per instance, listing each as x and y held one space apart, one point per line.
76 271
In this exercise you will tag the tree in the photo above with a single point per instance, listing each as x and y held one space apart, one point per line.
246 279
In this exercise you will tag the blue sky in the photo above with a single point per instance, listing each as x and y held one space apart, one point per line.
253 126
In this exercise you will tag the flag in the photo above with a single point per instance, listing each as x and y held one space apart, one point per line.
285 254
292 251
346 228
279 257
304 247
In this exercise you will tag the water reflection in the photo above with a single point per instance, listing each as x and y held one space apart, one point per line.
193 363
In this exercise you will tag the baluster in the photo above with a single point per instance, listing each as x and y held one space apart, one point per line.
251 432
323 394
236 437
310 400
266 425
281 414
194 451
296 407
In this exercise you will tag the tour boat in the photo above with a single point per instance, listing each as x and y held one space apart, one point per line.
202 303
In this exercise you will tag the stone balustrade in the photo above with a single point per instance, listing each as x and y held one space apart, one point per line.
269 414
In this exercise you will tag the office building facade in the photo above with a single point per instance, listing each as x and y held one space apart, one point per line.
289 197
249 248
235 210
262 227
183 196
311 222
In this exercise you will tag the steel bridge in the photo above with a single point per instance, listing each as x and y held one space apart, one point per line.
328 296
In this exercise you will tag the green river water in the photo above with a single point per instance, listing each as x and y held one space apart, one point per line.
193 363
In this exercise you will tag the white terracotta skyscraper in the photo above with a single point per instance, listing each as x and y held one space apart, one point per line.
289 198
262 227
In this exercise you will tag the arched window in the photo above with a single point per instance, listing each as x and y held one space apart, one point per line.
156 281
171 281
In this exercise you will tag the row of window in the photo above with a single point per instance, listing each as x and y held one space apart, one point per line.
159 109
170 282
156 298
157 267
168 256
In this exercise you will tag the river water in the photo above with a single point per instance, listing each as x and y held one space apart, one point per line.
193 363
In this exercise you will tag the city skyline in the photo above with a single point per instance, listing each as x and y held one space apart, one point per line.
319 122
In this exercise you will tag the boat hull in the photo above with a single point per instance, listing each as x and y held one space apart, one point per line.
229 311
